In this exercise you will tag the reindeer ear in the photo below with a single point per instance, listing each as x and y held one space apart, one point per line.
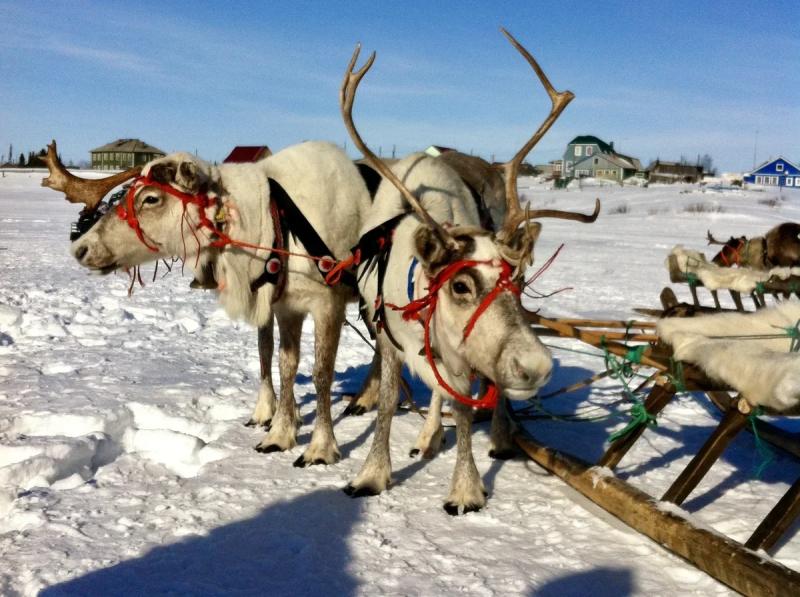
190 177
163 172
431 251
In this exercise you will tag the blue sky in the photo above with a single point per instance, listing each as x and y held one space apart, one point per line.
660 79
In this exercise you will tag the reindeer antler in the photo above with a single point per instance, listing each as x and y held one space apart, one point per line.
347 95
712 240
80 190
515 215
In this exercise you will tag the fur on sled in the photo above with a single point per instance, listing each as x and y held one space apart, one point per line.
714 277
763 370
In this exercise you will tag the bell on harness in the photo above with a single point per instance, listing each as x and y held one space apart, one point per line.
87 218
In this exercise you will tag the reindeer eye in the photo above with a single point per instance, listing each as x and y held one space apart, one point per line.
151 200
460 288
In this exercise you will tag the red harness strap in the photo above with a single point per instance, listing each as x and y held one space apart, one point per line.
736 257
414 311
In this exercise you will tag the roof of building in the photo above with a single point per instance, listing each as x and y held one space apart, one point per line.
437 150
780 158
592 140
247 153
128 146
673 165
616 159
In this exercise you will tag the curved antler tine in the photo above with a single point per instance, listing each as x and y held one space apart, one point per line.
712 240
347 95
559 100
80 190
565 215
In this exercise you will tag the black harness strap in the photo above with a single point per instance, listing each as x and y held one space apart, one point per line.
292 221
374 248
371 178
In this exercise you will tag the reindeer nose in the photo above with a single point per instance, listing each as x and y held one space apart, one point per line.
532 372
80 252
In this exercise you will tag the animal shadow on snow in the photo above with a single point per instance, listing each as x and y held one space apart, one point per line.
597 582
297 547
588 440
566 435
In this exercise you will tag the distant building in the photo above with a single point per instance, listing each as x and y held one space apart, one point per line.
247 153
437 150
551 169
670 172
123 154
587 155
779 172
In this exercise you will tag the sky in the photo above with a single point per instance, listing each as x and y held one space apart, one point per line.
659 79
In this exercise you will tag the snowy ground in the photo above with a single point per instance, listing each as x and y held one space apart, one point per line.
125 467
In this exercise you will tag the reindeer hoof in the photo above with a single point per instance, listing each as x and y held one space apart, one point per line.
253 423
357 492
250 423
354 410
268 449
413 452
301 462
502 454
453 509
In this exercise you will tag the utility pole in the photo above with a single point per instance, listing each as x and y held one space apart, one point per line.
755 148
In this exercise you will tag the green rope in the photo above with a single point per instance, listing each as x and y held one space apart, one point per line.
764 451
794 287
760 288
639 417
794 334
675 375
691 279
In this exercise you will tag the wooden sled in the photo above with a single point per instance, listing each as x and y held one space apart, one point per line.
728 561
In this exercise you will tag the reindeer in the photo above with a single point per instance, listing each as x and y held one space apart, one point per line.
447 299
226 215
780 247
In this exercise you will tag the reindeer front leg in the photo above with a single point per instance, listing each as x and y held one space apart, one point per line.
283 432
376 473
265 406
327 329
431 436
368 394
502 432
466 488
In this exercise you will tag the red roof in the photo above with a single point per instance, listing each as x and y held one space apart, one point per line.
247 153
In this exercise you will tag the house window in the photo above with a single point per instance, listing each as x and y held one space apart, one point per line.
596 160
789 182
589 150
779 167
578 151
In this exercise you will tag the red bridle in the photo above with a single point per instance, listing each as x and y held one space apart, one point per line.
414 311
734 252
127 211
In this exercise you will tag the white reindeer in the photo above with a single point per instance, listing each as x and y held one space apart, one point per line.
183 206
464 316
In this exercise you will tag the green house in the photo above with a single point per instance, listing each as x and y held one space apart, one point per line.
123 154
587 155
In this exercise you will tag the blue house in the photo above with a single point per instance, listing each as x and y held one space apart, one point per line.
779 172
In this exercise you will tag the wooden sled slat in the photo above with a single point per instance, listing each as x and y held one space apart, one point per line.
724 559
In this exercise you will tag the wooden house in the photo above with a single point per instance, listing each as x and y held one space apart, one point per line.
587 155
670 172
779 172
247 153
123 154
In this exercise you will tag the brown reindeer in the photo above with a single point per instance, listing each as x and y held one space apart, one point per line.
780 247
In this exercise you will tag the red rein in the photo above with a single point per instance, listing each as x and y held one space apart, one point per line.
414 310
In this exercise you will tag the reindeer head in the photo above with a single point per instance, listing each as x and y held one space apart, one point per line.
474 316
163 214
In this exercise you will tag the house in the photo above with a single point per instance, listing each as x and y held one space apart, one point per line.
779 172
247 153
670 172
551 169
436 150
123 154
587 155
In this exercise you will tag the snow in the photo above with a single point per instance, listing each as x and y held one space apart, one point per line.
125 467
